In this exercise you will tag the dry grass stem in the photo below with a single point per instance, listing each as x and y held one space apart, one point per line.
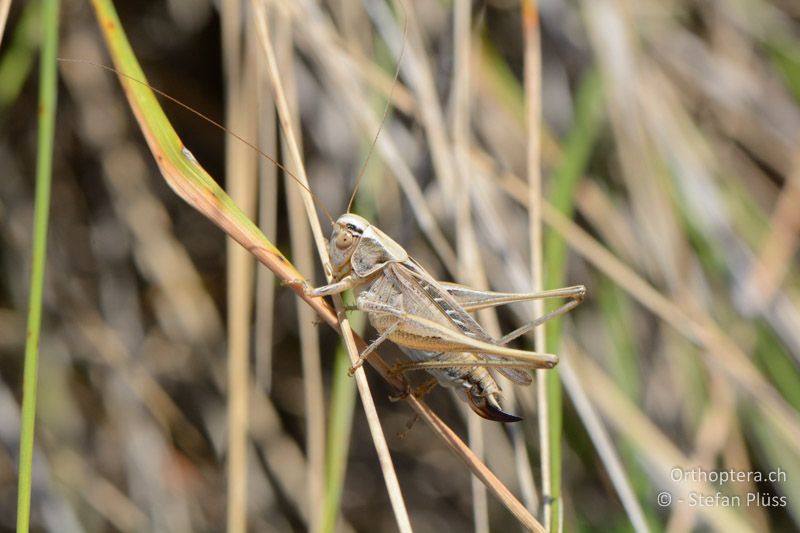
241 167
268 223
5 5
300 237
533 95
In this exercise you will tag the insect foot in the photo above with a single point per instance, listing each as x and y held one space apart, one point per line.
418 392
295 283
580 294
402 395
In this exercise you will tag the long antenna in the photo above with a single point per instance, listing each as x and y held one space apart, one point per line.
385 109
207 119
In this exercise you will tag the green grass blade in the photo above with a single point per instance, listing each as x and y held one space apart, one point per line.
48 87
340 423
564 183
785 57
618 311
567 176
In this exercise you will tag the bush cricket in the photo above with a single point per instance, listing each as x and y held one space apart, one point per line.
430 320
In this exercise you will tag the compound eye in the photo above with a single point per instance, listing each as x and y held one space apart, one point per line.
343 240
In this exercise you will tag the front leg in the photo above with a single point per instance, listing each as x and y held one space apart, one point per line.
346 283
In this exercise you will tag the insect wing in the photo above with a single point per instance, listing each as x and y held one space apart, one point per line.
412 273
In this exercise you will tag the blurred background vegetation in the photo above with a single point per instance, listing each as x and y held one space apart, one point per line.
670 138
